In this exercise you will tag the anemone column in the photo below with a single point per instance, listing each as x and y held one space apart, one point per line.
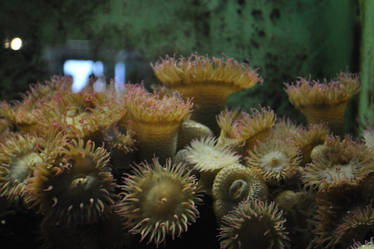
155 118
208 81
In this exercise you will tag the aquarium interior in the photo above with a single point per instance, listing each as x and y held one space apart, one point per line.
152 124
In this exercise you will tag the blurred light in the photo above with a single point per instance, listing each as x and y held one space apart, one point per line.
80 70
98 68
16 43
99 85
119 76
6 43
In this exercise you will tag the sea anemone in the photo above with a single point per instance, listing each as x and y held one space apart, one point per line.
234 184
341 163
285 128
19 115
208 81
342 217
357 225
74 187
341 174
190 130
19 155
227 122
243 129
155 120
208 158
254 224
276 160
121 145
159 200
86 114
48 90
368 135
367 245
288 200
22 114
307 139
4 127
324 102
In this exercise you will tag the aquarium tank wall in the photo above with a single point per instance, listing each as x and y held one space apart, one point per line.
179 124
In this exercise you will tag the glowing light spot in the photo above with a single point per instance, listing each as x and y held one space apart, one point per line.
81 70
6 43
16 43
119 76
98 68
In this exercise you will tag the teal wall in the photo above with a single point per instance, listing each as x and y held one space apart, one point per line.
366 103
283 38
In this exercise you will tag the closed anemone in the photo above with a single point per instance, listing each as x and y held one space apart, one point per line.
234 184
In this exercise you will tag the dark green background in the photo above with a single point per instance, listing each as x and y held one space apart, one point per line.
283 38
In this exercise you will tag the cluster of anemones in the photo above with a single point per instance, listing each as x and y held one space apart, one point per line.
341 175
237 189
48 162
22 114
63 157
68 150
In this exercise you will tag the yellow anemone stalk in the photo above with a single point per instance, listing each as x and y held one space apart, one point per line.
208 81
324 102
155 119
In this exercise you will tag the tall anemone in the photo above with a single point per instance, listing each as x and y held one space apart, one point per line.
208 158
276 160
254 224
155 119
159 200
208 81
324 102
234 184
19 156
75 186
244 130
